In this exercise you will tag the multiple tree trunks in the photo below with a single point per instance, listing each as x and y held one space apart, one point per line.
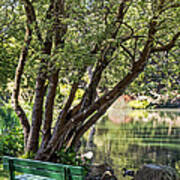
73 122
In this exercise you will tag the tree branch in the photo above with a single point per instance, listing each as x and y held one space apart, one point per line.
127 51
102 63
53 81
103 102
90 122
19 71
175 5
64 112
37 113
168 46
120 87
31 17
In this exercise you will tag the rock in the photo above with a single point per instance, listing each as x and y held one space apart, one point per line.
156 172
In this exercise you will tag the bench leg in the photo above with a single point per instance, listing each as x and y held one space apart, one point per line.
67 174
11 170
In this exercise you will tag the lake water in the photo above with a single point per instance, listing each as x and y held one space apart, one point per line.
131 138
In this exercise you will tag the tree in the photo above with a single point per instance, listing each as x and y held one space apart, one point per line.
63 41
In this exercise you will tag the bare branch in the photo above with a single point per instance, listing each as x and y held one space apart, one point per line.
124 39
59 28
106 14
86 126
30 14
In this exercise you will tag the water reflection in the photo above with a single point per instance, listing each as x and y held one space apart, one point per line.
132 138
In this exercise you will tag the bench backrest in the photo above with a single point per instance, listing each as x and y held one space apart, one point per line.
45 169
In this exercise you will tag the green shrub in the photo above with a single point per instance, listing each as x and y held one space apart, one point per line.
69 157
8 119
11 135
12 142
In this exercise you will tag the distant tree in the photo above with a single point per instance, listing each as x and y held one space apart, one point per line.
66 39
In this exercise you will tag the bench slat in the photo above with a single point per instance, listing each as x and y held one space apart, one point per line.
45 169
43 173
36 166
59 176
77 170
34 171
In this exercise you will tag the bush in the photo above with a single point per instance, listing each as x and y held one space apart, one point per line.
68 157
11 135
12 142
8 119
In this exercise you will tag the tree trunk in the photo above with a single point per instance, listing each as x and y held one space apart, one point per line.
33 140
15 96
37 113
49 109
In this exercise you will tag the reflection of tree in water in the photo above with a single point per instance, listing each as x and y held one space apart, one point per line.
157 155
160 144
140 141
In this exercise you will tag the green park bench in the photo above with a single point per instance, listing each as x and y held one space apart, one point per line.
46 169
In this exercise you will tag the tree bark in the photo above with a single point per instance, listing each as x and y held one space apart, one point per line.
58 29
37 113
53 81
19 71
63 115
33 140
31 18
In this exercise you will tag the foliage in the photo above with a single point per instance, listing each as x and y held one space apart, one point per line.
8 50
28 155
71 157
68 157
12 142
8 119
11 135
82 48
161 77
